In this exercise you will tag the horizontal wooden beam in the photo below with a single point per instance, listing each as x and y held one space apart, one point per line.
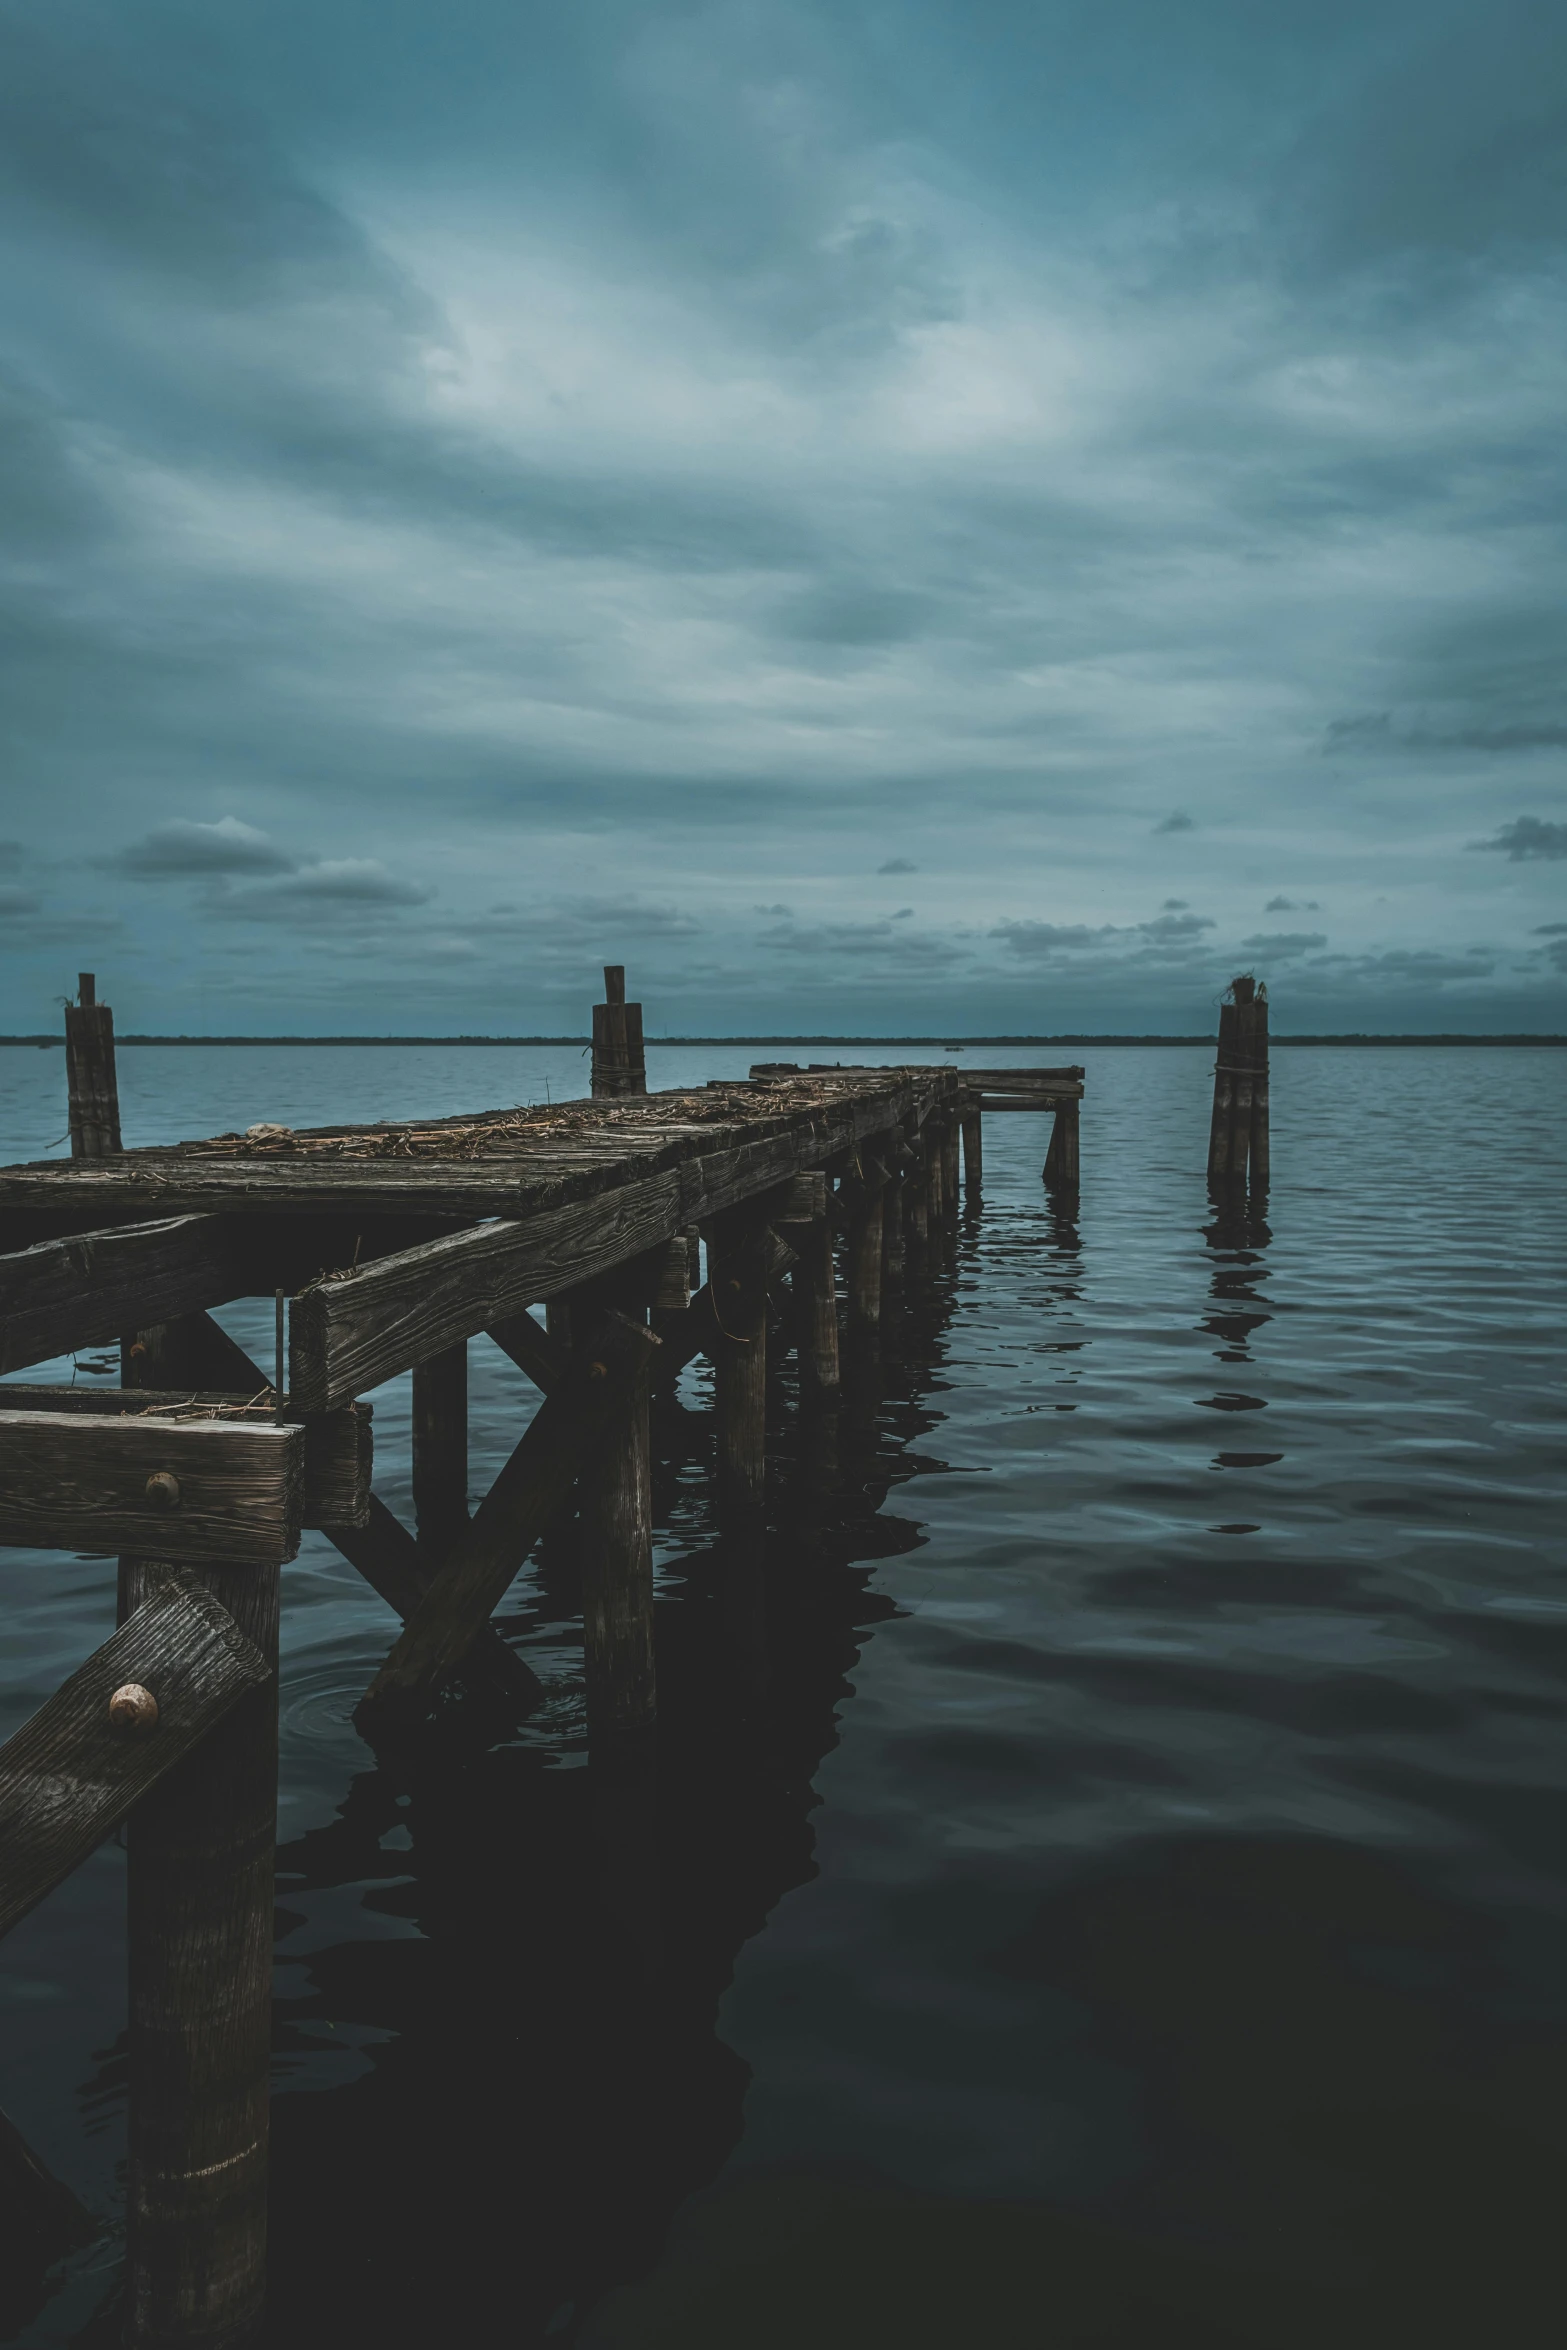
338 1444
65 1294
535 1483
90 1288
68 1777
158 1488
347 1335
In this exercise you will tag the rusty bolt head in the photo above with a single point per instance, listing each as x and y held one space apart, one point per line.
133 1709
598 1370
163 1490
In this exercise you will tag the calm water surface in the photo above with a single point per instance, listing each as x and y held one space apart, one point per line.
1107 1876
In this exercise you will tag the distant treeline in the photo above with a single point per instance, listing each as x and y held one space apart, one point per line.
856 1043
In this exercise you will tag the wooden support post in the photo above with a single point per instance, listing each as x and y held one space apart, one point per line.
440 1448
619 1063
973 1153
1061 1163
737 1257
949 1169
1223 1096
1261 1155
916 1214
199 1893
893 1250
200 1931
90 1078
930 1139
865 1267
816 1298
1240 1085
615 1504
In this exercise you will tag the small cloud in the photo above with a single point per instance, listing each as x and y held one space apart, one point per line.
903 913
1368 732
1176 823
1282 943
898 865
1169 927
1527 838
1550 930
228 846
359 881
779 913
1292 906
17 901
1047 938
1176 905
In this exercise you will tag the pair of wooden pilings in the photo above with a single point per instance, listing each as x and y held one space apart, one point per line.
1238 1140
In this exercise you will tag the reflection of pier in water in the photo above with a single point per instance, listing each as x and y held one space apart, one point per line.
552 2085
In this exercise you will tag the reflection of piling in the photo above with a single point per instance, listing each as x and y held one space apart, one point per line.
1238 1131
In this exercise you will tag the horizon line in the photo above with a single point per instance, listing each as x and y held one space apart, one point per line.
947 1042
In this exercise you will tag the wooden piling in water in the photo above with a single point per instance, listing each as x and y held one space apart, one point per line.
1261 1151
440 1448
973 1152
1223 1094
616 1523
949 1169
1062 1172
894 1252
737 1260
619 1060
865 1267
1245 992
816 1290
92 1086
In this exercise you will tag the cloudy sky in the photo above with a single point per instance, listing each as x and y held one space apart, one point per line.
889 515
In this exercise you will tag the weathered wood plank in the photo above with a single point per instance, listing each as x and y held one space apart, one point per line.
529 1490
338 1444
532 1350
68 1777
348 1335
85 1291
174 1489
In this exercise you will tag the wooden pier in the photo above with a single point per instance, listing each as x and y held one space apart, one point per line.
391 1246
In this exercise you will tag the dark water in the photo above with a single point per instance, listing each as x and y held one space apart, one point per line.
1131 1908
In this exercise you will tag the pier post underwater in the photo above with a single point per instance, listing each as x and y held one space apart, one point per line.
567 1235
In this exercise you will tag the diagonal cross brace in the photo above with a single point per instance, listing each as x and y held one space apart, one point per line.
535 1483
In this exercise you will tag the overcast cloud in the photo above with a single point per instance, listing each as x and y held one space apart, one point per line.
876 517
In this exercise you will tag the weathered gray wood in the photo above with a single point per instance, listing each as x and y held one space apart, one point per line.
1223 1096
619 1062
973 1153
865 1269
68 1777
816 1288
200 1900
90 1079
531 1349
738 1255
697 1330
77 1482
440 1449
1061 1159
348 1335
338 1444
529 1490
894 1255
1261 1143
65 1294
949 1167
615 1516
387 1556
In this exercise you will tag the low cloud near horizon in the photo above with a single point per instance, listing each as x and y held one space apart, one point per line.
933 518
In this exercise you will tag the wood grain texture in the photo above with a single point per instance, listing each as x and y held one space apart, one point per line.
338 1444
391 1562
525 1342
440 1449
67 1778
72 1481
532 1486
349 1335
65 1294
615 1503
738 1256
91 1087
